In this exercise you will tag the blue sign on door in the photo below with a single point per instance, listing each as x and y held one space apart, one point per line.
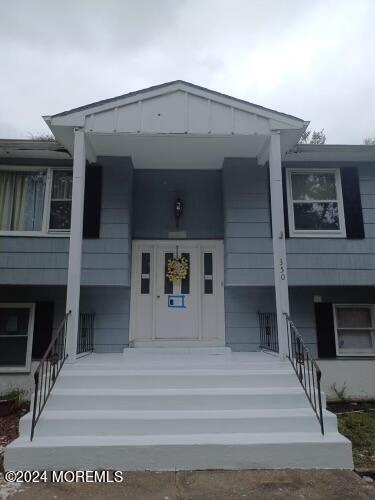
176 301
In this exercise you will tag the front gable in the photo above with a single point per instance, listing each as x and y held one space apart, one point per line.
176 107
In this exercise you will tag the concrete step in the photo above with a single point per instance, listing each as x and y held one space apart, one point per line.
176 351
177 398
123 422
181 452
143 379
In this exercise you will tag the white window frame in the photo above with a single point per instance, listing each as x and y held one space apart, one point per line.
309 233
30 335
45 231
363 352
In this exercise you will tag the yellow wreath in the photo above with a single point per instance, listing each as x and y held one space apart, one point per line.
177 269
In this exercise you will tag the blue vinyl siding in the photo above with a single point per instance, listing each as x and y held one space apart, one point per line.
111 306
311 261
248 242
155 193
105 261
241 315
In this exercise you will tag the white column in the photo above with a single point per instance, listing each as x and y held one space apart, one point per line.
75 246
278 241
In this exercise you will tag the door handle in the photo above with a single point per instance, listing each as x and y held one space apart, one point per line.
158 296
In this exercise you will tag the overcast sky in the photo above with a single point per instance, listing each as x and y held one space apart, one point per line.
313 59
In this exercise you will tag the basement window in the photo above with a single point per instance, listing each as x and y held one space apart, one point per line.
315 203
16 334
354 329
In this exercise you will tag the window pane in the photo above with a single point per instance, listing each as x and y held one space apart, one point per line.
185 283
145 273
168 285
13 351
354 340
359 317
22 200
313 186
62 185
316 216
14 321
208 273
60 214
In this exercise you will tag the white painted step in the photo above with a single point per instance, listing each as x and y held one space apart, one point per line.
177 399
122 422
128 379
181 452
176 351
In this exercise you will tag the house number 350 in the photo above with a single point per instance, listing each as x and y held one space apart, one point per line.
282 270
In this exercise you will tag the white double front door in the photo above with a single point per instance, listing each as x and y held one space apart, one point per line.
189 312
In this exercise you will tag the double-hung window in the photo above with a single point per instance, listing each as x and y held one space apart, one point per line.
61 200
35 201
354 329
315 203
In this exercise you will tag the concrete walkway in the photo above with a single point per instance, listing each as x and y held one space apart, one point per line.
206 485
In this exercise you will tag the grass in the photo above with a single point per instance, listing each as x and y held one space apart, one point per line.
360 429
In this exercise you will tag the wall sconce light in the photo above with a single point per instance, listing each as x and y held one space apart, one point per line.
178 209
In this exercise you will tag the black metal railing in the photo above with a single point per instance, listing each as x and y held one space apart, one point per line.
306 368
48 370
85 339
268 331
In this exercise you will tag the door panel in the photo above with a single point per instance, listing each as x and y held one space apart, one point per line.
176 303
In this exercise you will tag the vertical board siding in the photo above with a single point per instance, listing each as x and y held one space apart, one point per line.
105 261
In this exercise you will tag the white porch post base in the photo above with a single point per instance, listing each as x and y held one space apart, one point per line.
278 241
75 246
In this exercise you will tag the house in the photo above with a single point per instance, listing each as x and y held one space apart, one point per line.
173 264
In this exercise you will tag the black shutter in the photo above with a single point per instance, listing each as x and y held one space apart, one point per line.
285 200
352 203
93 198
325 330
43 325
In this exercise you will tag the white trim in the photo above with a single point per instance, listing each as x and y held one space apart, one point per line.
302 233
46 231
30 335
363 352
73 288
278 242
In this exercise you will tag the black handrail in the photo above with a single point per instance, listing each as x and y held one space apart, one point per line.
85 340
306 368
268 331
47 371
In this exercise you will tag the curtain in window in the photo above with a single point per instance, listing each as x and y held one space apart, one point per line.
21 200
6 196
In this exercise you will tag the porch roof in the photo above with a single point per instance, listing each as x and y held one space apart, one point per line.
176 125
